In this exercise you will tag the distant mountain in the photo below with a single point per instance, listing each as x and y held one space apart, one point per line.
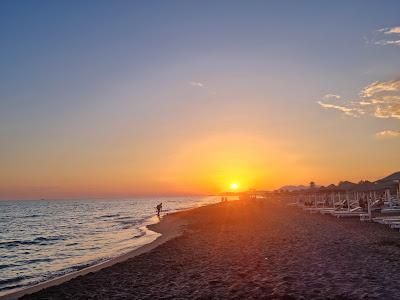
346 185
291 188
392 177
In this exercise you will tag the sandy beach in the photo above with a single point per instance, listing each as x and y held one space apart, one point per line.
251 250
199 149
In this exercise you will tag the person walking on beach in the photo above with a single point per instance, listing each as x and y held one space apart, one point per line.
159 208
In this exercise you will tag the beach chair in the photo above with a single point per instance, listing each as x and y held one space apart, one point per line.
395 225
354 212
326 211
393 209
386 220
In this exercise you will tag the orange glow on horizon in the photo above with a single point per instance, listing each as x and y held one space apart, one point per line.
206 164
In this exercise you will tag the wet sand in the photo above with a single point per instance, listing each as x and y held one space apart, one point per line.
252 250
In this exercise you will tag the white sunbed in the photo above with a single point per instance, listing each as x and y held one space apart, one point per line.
390 209
321 210
337 208
354 212
392 221
386 220
327 210
395 225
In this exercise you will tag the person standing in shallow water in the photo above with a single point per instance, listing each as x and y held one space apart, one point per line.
159 208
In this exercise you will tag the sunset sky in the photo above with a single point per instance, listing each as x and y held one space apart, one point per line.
123 98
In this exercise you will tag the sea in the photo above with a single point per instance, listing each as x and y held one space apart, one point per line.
44 239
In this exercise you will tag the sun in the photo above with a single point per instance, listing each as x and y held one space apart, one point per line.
234 186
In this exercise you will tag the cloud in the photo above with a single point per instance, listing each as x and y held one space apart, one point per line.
196 84
388 134
331 96
393 30
387 43
379 87
380 99
387 36
346 110
201 85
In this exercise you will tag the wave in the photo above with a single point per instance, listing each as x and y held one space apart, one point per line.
72 244
124 218
11 287
108 216
130 222
13 280
140 234
32 216
36 260
7 266
37 241
49 239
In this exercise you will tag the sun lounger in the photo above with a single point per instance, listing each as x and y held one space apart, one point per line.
390 210
386 220
354 212
395 225
347 214
326 211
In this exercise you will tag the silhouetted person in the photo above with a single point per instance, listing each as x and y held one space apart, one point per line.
159 208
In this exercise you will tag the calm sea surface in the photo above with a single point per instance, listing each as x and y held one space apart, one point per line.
40 240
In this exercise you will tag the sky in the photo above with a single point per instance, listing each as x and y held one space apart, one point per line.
124 98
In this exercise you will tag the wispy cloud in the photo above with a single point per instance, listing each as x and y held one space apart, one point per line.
387 43
379 87
389 36
331 96
346 110
392 30
201 85
388 134
383 98
380 99
196 84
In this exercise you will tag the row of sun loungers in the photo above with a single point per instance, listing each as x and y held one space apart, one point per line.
369 201
358 212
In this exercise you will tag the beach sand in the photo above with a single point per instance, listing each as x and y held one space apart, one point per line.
251 250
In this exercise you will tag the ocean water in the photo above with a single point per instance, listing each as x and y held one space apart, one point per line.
40 240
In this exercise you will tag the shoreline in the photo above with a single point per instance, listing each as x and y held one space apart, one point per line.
168 228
